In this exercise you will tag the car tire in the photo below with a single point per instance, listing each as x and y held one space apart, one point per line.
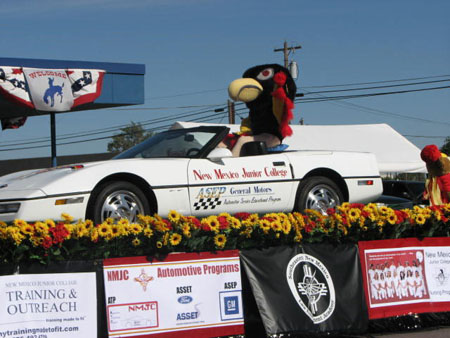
318 193
118 200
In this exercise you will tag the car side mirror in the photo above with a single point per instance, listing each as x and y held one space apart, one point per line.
218 153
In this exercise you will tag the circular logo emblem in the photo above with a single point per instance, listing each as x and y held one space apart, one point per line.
312 287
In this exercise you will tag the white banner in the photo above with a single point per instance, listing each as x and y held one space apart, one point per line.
184 292
48 305
50 89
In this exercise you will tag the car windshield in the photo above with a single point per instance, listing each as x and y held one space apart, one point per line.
187 143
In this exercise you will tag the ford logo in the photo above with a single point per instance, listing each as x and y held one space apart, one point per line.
185 299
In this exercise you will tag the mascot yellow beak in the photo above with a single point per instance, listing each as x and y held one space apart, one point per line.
245 89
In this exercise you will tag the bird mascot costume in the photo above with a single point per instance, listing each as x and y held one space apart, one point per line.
437 185
268 92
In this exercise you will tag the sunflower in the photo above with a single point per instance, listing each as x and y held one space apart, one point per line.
174 216
148 232
276 226
104 229
354 214
420 219
94 235
186 230
175 239
135 228
14 233
265 225
286 227
19 223
235 223
116 230
136 241
214 223
66 217
220 240
391 218
159 245
36 240
26 229
50 223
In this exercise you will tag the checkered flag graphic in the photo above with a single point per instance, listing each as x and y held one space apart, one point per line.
207 203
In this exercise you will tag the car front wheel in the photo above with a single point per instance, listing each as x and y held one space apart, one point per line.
318 193
118 200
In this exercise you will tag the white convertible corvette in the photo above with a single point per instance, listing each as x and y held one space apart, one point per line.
183 170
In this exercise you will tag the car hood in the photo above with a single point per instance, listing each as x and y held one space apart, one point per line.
81 177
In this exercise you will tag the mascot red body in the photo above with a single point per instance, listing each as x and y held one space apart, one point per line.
437 186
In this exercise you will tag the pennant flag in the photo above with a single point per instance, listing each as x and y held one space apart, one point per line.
14 87
86 85
13 122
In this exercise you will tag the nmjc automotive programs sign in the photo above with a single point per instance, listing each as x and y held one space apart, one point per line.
190 295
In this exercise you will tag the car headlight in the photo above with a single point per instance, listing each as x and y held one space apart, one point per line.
8 208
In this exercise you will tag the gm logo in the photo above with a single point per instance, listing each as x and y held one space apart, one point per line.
231 305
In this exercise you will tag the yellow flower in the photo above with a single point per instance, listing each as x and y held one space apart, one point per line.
148 232
50 223
135 228
214 223
88 224
116 230
26 229
235 223
220 240
174 216
354 214
392 218
94 235
36 240
19 223
109 220
276 226
175 239
287 226
420 219
186 229
265 225
344 206
166 238
104 229
41 228
159 244
14 233
136 241
66 217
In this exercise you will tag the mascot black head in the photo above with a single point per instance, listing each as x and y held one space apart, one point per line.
268 92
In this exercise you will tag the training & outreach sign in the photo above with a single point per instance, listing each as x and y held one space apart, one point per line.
187 294
406 275
48 305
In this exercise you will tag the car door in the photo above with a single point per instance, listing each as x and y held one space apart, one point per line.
254 184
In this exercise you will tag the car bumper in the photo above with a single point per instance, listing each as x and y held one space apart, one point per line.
45 207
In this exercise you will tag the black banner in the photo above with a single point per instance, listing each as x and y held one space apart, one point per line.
309 288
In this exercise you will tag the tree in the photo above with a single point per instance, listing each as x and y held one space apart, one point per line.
446 146
129 136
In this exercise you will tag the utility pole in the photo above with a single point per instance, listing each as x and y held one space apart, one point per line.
231 112
286 50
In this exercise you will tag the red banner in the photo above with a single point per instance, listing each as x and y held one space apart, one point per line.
405 276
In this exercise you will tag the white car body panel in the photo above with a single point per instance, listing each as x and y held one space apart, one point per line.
196 186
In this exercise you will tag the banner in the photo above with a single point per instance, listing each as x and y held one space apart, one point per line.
48 305
404 276
54 90
308 288
185 295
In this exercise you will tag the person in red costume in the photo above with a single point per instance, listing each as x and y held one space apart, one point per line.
437 186
268 92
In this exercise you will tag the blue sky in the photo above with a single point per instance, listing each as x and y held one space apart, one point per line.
193 49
